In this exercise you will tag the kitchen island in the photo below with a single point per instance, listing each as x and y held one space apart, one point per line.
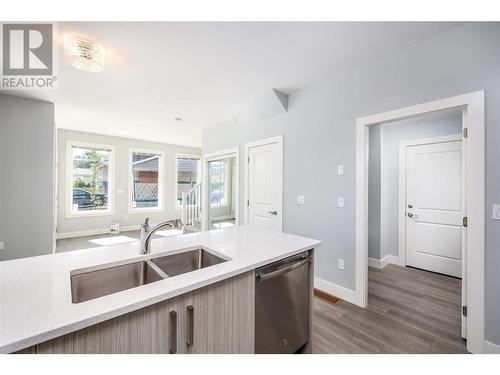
208 310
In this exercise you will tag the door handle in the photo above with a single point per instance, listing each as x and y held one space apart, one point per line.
272 212
190 326
173 332
410 214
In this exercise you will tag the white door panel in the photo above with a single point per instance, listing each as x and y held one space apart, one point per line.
265 176
438 240
438 169
434 207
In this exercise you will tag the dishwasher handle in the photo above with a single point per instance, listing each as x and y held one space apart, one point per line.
266 276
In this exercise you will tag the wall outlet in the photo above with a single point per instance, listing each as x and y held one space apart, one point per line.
341 264
496 212
340 202
1 245
340 170
114 228
300 199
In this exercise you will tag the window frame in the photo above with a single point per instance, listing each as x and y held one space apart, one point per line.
69 180
176 173
161 181
226 185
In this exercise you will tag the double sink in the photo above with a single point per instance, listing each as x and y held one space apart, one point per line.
87 285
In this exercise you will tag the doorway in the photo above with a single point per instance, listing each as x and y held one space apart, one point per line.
264 183
221 189
431 216
472 106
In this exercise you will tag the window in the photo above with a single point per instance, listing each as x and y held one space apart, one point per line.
89 179
218 180
146 179
187 175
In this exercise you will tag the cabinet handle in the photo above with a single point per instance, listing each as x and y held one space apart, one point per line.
173 332
190 326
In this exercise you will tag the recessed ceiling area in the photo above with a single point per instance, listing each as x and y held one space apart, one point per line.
157 73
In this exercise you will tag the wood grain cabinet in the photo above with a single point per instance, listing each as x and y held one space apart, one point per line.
219 318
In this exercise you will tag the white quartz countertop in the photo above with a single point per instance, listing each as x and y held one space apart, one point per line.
35 293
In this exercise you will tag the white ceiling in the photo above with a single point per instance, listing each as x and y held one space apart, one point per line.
155 72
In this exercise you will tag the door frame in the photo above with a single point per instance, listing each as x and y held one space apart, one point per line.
233 152
472 105
262 142
402 190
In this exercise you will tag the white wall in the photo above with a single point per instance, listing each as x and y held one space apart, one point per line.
319 133
121 214
27 167
386 203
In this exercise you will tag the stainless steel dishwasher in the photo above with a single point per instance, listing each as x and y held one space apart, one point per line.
282 294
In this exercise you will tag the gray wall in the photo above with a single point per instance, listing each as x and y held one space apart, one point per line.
26 177
121 214
384 174
319 133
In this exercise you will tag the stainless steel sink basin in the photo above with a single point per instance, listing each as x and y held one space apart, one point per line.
187 261
89 285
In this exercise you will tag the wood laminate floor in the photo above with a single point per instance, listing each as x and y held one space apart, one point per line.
409 311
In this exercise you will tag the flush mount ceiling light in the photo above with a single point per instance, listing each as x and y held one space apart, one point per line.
84 54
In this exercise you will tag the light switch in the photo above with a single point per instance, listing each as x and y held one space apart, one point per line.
496 212
119 192
300 199
340 202
340 170
1 245
341 264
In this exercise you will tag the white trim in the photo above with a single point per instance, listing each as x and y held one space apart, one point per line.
382 263
402 186
473 105
55 181
348 295
94 232
212 156
161 181
69 180
262 142
176 173
491 348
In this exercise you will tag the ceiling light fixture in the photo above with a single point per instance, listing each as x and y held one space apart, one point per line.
84 54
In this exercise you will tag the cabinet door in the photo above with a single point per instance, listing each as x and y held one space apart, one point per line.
220 318
148 330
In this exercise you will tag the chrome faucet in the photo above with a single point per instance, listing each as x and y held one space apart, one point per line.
147 234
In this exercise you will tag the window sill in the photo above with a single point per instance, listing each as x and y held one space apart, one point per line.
145 209
219 206
73 215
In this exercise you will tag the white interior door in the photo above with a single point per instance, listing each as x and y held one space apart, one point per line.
265 190
434 207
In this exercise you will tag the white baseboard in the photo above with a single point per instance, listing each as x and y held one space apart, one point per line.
490 348
382 263
93 232
335 290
